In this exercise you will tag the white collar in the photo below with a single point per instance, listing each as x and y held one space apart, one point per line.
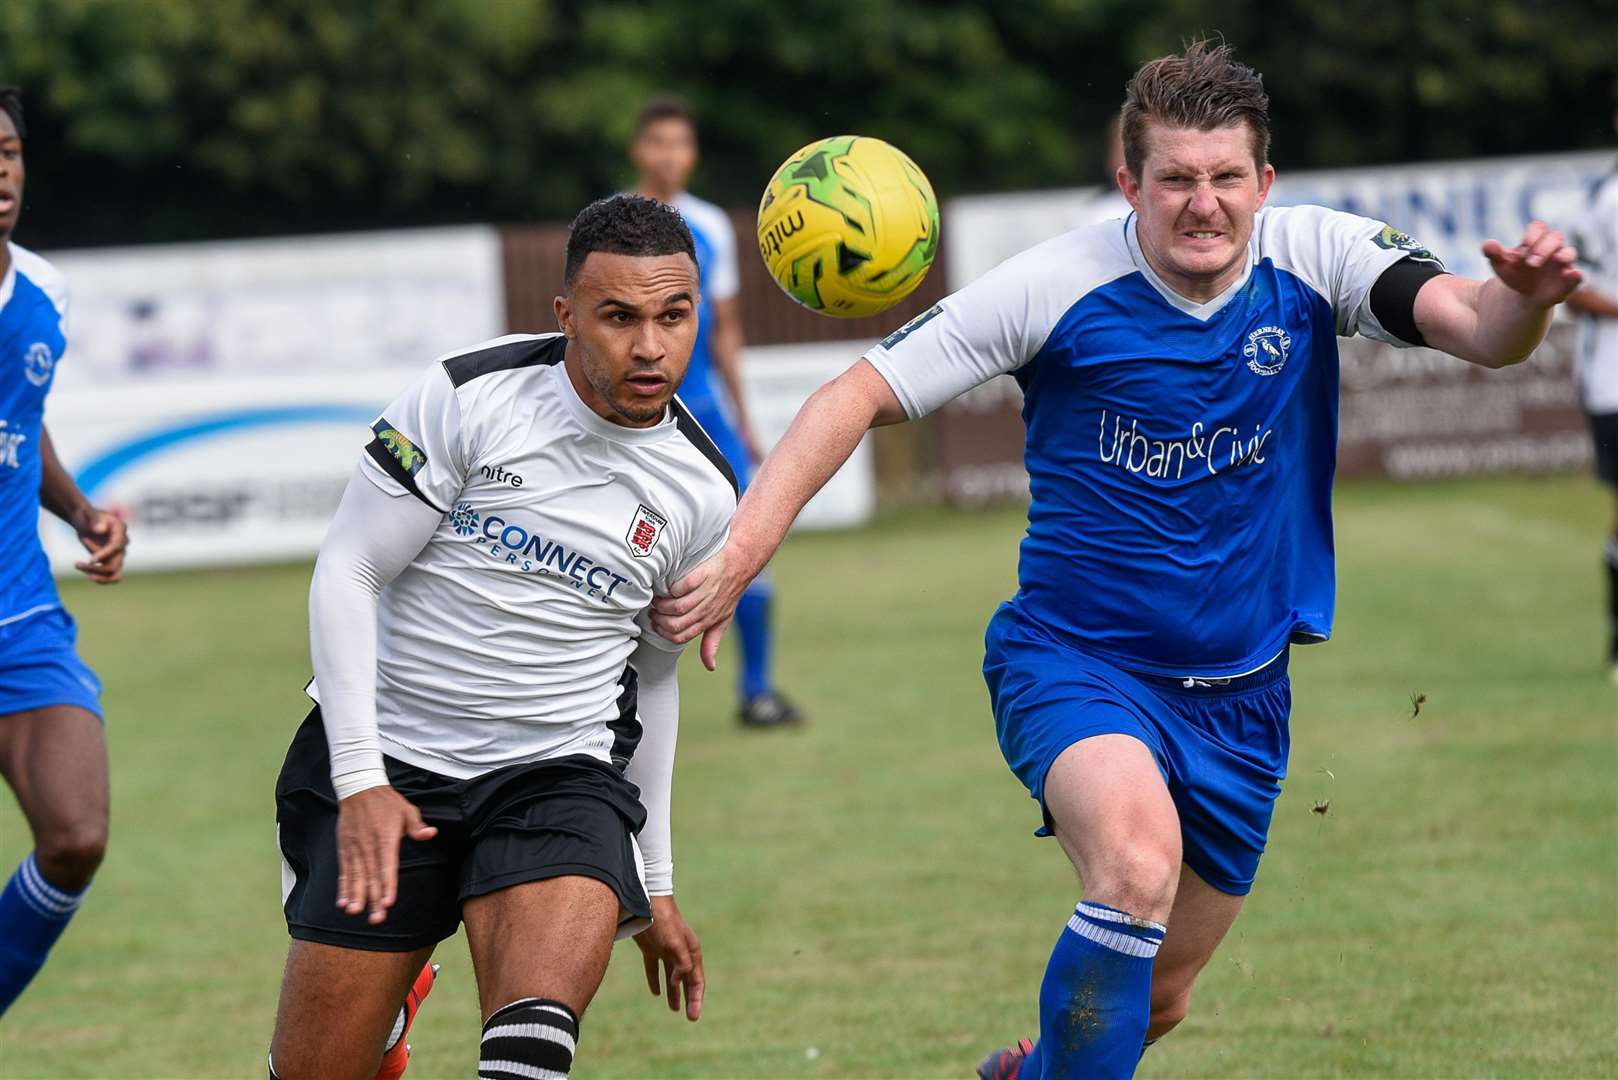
8 284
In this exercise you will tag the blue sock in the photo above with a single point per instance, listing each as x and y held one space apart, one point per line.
753 622
33 914
1096 998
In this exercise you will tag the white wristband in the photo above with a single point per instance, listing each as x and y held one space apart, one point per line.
352 783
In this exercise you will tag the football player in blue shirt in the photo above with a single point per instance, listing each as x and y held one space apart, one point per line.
664 152
52 749
1180 381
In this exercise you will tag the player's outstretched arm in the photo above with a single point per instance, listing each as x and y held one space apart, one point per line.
372 538
1498 322
669 947
822 436
102 532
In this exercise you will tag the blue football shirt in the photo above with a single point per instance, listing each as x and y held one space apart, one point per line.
1180 455
33 304
715 240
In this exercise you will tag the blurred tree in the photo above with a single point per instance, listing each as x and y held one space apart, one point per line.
169 119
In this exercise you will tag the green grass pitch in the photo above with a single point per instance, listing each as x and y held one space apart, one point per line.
870 897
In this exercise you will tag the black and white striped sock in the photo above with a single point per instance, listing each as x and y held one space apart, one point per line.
529 1039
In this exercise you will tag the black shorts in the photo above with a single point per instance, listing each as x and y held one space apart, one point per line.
570 816
1604 432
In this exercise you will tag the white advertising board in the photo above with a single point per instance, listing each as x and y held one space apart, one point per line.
1451 206
778 379
218 472
215 472
291 306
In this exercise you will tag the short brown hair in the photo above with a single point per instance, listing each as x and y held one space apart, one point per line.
663 107
1203 88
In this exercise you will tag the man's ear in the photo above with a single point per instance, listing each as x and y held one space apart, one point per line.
1129 186
564 316
1266 177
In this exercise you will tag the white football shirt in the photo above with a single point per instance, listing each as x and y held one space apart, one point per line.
506 638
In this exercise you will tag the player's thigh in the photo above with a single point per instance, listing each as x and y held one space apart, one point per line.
1201 918
337 1008
55 759
546 939
1116 821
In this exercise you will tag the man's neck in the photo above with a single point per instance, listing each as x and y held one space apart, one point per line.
5 254
574 367
1198 290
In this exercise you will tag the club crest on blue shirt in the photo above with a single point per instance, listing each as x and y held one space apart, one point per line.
38 362
1266 350
645 531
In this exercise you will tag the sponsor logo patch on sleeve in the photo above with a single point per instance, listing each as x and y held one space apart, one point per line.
1394 240
912 326
406 453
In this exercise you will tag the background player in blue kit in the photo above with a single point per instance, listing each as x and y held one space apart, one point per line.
1180 383
664 152
52 749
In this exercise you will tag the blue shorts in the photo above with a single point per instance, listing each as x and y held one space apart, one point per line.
1221 745
716 421
39 665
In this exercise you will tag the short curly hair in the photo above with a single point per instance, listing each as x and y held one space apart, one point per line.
626 225
11 105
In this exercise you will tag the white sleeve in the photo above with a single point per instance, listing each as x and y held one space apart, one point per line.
420 446
372 538
724 279
1341 255
991 327
657 702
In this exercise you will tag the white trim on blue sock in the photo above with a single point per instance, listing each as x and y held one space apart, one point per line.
41 895
1143 942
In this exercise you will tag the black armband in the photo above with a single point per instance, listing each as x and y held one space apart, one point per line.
1393 297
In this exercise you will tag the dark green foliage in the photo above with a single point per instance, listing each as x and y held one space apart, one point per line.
161 119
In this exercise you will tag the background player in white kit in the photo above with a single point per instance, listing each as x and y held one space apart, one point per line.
495 724
1597 303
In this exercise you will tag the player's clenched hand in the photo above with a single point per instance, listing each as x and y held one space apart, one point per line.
370 824
703 602
671 942
1540 268
106 537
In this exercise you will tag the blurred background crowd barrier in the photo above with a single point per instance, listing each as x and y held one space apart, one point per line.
218 393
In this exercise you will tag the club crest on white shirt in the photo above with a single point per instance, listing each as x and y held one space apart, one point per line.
1266 350
645 531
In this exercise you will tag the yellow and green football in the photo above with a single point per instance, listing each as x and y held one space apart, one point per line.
848 226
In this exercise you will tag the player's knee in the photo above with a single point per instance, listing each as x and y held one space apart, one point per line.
1141 880
68 857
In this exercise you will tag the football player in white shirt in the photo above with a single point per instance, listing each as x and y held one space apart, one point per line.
1597 303
495 724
